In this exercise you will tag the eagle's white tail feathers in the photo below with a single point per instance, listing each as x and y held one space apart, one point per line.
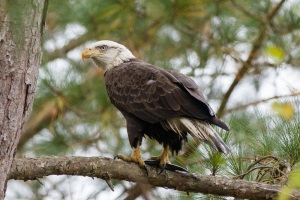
198 129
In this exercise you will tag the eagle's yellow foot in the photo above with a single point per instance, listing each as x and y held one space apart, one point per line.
163 162
135 157
163 158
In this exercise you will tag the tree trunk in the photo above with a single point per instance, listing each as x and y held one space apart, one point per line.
21 25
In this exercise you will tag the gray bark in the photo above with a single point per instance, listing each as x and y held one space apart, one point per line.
106 168
21 24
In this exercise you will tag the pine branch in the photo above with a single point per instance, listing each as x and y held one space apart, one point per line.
257 44
242 71
62 52
106 168
247 12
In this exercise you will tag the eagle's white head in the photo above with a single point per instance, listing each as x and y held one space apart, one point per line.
107 54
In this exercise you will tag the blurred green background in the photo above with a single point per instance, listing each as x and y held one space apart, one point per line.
244 55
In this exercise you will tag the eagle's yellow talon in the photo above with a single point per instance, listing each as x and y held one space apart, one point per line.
135 157
163 158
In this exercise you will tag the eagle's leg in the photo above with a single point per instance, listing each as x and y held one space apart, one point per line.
163 162
135 157
163 158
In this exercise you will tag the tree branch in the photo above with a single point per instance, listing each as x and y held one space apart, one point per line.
248 64
247 12
243 106
38 121
106 168
62 52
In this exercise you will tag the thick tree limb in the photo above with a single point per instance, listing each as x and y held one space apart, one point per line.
106 168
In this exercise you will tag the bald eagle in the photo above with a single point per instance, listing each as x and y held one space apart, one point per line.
164 105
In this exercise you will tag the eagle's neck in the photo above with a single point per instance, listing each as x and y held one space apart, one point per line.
114 60
118 61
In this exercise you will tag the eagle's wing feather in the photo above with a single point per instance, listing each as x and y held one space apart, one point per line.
154 94
193 89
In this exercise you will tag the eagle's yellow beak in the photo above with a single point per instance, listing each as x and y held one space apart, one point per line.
89 52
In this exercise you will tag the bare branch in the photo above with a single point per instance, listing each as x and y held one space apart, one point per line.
106 168
275 10
259 101
242 71
263 165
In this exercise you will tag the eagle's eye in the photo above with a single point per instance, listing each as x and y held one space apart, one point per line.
102 47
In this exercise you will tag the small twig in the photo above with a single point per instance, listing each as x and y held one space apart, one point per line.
262 172
225 49
241 176
243 106
38 180
275 10
261 159
110 185
246 12
262 169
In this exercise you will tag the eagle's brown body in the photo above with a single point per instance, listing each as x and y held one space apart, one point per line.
148 96
162 104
